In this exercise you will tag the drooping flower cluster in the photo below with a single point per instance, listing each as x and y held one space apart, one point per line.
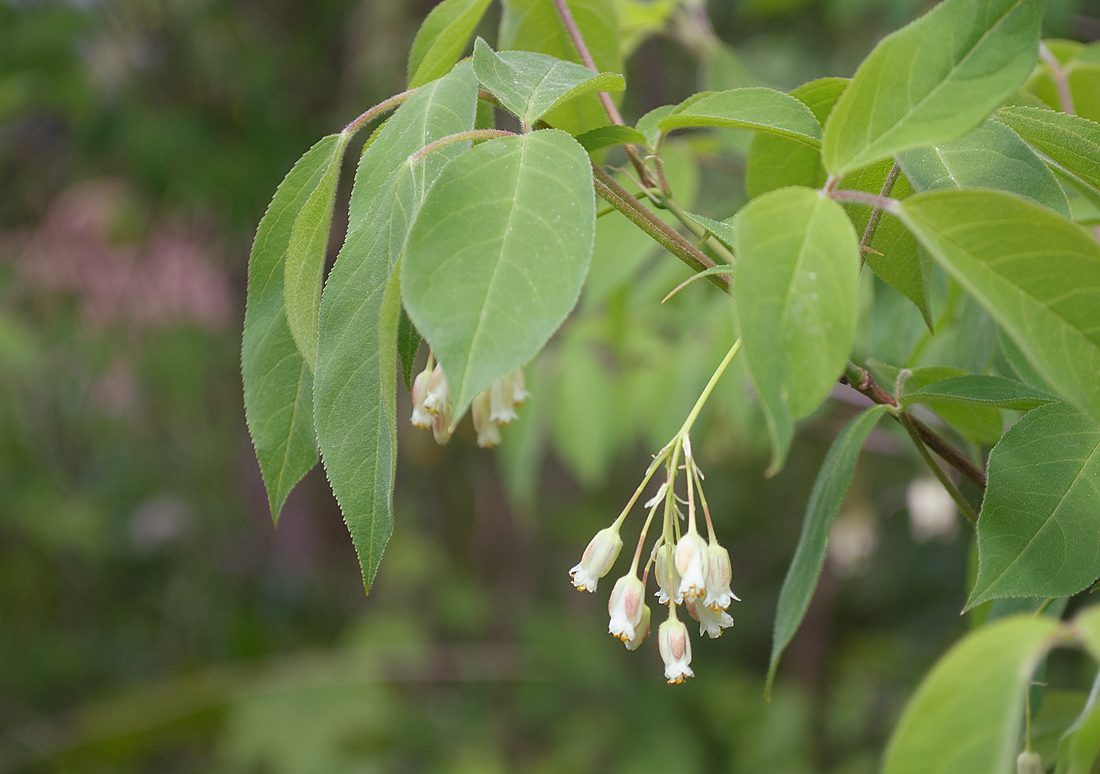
491 409
690 571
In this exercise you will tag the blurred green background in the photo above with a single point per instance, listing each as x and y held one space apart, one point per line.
151 617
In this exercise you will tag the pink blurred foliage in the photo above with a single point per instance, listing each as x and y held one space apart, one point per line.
170 278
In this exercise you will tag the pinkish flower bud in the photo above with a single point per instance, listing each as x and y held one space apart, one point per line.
441 428
641 631
597 559
675 647
488 433
719 575
421 417
438 399
625 607
691 564
668 580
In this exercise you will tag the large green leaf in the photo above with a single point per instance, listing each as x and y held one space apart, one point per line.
933 80
534 25
775 162
498 254
305 257
278 386
980 390
756 108
1037 274
1071 142
795 293
360 309
530 85
991 156
830 486
1039 529
966 716
442 38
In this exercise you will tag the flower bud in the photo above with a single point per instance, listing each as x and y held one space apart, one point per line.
625 607
711 622
519 394
597 559
641 631
501 402
488 433
719 575
668 580
691 564
441 428
438 399
420 415
672 641
1029 763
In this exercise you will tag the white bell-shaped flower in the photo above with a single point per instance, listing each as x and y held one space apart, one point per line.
597 559
501 400
488 432
641 631
625 607
691 564
675 647
719 575
668 580
421 417
711 622
438 399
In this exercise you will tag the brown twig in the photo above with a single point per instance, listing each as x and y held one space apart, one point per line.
575 35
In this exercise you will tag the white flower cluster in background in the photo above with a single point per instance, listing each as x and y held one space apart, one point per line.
491 409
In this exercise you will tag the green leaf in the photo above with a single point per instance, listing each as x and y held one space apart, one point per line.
756 108
408 345
978 390
966 716
831 484
723 230
442 38
1080 744
606 136
487 305
355 411
534 25
991 156
1071 142
776 162
795 295
278 386
933 80
530 85
1039 529
305 257
982 424
1037 274
648 124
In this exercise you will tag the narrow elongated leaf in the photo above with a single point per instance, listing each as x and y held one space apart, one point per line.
795 294
360 309
530 85
1039 529
278 386
442 38
534 25
991 156
1071 141
1079 746
775 162
305 257
982 424
933 80
966 716
765 110
829 489
1038 276
498 254
979 390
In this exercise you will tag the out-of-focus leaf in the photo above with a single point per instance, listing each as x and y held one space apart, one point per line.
991 156
356 375
795 294
933 80
278 385
979 390
606 136
966 716
1071 142
534 25
1036 273
830 486
442 38
1079 747
488 305
1039 529
761 109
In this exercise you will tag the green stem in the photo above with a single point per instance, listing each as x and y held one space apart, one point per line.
686 427
956 495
